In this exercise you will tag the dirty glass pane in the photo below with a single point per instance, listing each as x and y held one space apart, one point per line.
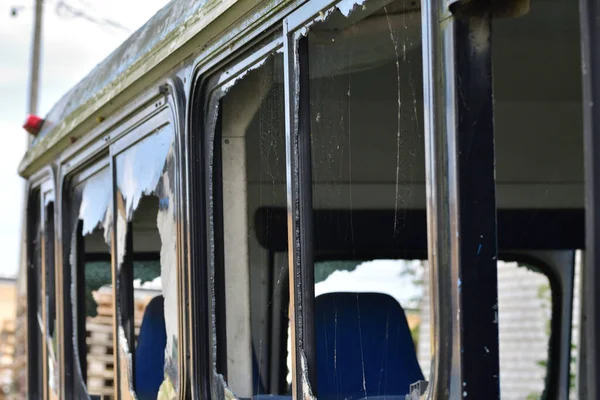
250 181
147 266
368 169
524 317
91 274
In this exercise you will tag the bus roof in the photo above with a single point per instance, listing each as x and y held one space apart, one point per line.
86 104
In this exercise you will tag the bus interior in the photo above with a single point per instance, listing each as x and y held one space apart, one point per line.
364 122
369 197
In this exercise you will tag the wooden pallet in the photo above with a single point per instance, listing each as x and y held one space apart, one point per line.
100 361
99 339
100 356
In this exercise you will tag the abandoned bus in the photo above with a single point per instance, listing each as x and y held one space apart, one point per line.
321 199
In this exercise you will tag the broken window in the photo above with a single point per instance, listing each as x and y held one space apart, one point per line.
88 254
246 117
147 263
360 103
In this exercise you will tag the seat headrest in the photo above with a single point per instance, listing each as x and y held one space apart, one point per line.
364 347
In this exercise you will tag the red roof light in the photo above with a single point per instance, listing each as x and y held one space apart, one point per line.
33 124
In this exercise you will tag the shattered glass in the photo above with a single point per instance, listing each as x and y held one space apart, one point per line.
145 179
91 221
247 154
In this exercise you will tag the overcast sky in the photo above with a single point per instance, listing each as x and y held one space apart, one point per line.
72 46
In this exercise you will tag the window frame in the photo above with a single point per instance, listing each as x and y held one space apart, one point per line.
123 279
83 161
208 96
451 234
73 377
299 188
41 184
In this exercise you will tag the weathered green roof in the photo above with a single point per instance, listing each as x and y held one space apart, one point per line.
164 33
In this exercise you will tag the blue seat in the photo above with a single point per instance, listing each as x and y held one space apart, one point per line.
364 347
150 351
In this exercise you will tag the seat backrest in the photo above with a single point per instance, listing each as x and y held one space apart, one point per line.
364 347
150 350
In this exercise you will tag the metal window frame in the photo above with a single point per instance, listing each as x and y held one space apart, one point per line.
206 96
299 213
461 209
299 195
165 113
213 57
151 111
44 183
72 378
299 190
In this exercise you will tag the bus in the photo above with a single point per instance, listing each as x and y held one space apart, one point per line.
332 199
